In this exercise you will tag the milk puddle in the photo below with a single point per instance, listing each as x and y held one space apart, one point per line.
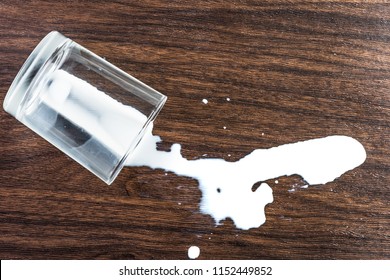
227 186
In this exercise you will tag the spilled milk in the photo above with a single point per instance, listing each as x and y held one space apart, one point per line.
227 186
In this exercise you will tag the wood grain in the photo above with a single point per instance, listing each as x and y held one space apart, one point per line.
293 71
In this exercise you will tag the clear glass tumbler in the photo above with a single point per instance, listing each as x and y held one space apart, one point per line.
85 106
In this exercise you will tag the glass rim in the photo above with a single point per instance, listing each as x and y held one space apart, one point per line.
37 58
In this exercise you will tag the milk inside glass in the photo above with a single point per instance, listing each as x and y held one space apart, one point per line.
82 121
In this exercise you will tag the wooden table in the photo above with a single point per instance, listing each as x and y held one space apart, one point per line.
292 71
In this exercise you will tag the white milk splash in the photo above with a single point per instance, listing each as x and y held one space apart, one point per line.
227 186
193 252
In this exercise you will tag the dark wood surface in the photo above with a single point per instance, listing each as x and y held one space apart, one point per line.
293 71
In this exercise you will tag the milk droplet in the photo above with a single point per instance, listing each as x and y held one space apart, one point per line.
205 101
193 252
